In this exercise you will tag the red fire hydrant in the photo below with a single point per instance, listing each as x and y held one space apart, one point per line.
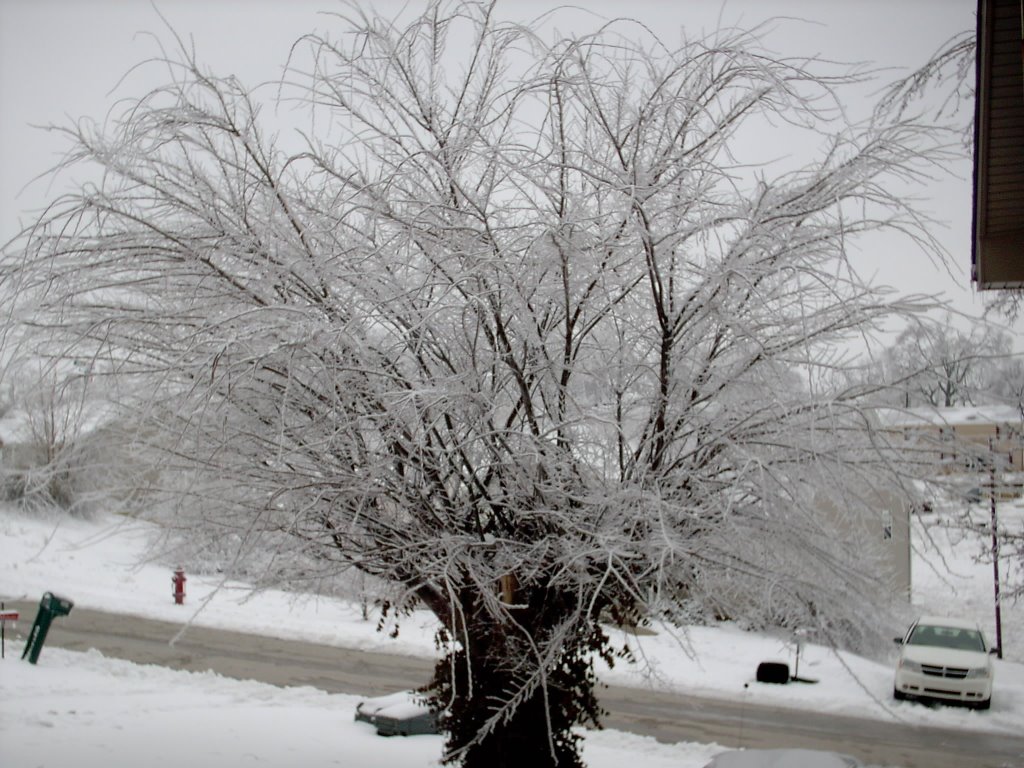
178 580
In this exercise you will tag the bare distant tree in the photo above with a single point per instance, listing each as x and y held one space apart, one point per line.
1006 382
62 449
517 329
935 363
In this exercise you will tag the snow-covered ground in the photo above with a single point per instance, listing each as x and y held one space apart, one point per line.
85 710
81 710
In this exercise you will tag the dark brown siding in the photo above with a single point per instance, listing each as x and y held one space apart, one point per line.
998 253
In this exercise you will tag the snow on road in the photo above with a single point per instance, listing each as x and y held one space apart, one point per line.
84 710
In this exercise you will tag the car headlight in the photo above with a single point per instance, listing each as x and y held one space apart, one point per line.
910 666
974 674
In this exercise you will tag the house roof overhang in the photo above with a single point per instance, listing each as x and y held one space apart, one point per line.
997 253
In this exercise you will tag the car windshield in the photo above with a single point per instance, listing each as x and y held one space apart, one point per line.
947 637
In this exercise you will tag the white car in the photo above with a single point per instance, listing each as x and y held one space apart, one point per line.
945 659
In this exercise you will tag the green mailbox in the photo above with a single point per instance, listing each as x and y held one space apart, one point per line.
50 607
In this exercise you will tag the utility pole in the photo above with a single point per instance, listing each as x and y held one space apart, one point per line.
995 553
994 461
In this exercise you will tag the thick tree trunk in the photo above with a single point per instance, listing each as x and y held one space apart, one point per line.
471 685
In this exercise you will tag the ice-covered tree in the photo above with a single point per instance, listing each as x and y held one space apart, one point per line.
950 75
1005 385
533 331
934 363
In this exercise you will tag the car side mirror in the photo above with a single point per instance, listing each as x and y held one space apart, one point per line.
993 651
898 640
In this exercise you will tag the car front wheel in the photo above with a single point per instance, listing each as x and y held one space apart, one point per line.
899 695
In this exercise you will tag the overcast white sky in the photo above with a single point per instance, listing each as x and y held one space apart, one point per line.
62 59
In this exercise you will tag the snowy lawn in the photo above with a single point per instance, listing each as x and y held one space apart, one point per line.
102 706
82 710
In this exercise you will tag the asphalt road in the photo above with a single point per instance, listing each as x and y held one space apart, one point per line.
669 718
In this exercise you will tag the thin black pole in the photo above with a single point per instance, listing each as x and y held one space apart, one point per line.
995 557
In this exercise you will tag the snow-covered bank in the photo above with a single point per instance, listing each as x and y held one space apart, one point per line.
81 710
102 565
